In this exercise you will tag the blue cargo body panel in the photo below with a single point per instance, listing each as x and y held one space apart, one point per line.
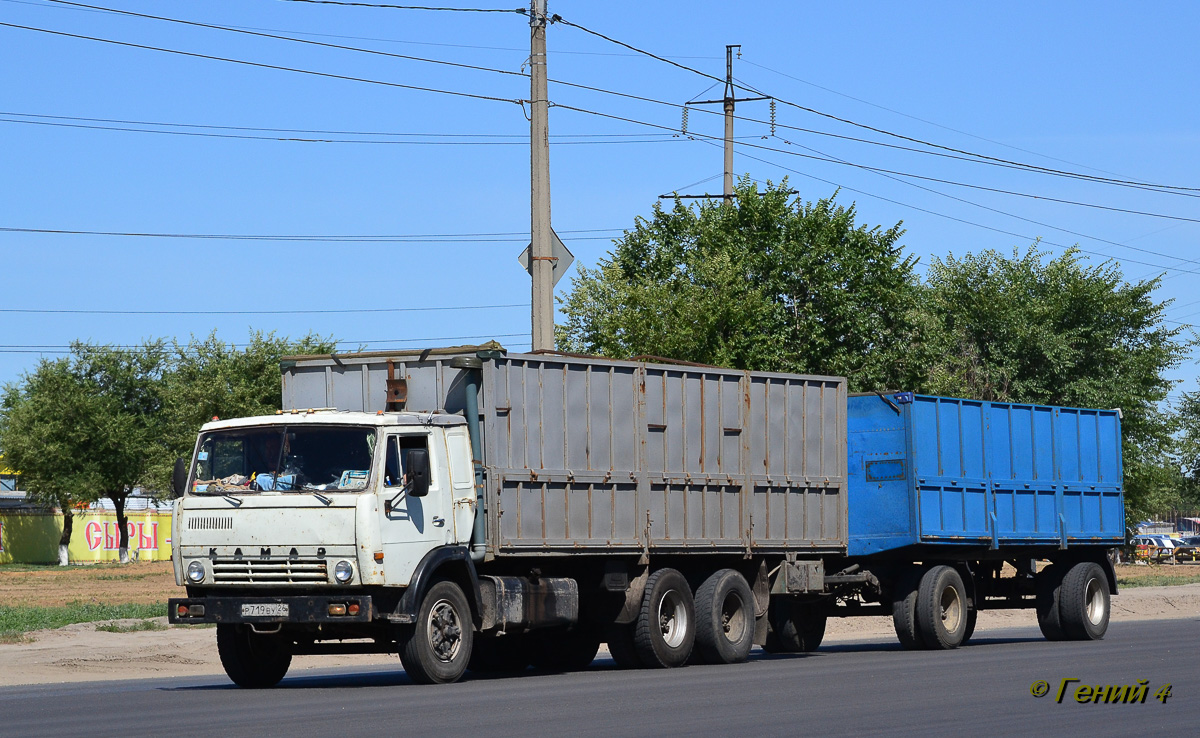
947 471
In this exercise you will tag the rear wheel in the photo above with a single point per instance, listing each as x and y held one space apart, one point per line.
1084 602
437 649
1049 587
724 618
942 608
665 629
252 660
904 608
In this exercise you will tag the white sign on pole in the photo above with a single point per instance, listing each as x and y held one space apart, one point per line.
562 258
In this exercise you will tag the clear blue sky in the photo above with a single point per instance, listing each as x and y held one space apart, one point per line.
1101 88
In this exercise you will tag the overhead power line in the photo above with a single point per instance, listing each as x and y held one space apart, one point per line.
865 126
66 348
366 141
842 162
261 65
404 7
506 237
920 119
265 312
232 29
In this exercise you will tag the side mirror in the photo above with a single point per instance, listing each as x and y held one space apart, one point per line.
179 478
418 472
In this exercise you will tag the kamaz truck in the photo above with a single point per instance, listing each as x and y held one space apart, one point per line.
470 508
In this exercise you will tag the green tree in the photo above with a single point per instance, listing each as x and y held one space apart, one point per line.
1029 328
210 378
127 386
772 283
45 421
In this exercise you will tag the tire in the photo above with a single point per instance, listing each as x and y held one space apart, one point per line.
621 648
724 619
252 660
437 649
563 650
972 616
942 608
1049 586
665 629
904 609
794 627
1084 603
506 654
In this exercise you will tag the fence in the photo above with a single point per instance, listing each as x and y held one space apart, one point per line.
31 536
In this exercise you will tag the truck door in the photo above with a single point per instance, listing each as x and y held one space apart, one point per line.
462 482
411 526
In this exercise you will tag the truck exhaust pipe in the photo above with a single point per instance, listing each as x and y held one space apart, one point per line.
473 367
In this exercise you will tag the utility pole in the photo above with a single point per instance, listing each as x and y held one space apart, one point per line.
541 249
728 101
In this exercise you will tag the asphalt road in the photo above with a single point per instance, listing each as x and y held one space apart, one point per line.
981 689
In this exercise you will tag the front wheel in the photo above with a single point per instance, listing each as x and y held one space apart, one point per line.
438 648
1084 602
252 660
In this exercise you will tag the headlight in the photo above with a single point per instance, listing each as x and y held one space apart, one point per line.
195 573
343 572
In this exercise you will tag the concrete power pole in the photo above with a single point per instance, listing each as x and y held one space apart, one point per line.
541 249
728 101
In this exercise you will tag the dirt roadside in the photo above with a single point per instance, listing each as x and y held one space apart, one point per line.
82 653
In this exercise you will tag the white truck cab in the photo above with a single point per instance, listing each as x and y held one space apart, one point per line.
322 498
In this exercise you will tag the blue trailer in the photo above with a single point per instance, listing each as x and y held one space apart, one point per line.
943 492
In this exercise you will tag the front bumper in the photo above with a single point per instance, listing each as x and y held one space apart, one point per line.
304 609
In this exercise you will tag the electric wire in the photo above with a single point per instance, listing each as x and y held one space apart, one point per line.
864 126
405 7
345 311
262 65
415 238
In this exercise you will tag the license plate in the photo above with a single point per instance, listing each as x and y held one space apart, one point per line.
265 610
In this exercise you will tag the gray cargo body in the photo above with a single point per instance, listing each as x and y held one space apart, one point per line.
588 455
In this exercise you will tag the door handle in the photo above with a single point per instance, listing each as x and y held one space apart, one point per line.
439 522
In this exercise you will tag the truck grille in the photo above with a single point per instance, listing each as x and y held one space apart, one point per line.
215 522
270 571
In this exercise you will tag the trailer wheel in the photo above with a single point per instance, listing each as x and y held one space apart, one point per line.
499 655
904 608
1049 587
563 650
1084 602
438 648
665 629
794 627
621 648
942 608
252 660
724 618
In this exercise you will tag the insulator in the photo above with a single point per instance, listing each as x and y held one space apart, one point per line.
772 116
683 126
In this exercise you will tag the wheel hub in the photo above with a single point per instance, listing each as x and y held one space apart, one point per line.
672 619
444 631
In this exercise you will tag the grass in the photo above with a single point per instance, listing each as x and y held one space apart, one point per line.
6 568
1159 580
132 627
17 620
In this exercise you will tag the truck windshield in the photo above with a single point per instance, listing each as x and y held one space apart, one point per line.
286 459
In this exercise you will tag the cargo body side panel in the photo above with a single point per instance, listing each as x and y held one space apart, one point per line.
983 474
592 455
